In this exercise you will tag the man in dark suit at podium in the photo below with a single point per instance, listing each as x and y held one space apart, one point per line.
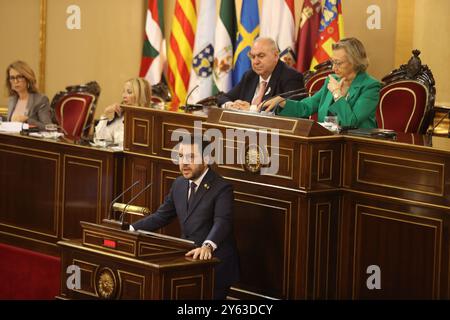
268 78
203 202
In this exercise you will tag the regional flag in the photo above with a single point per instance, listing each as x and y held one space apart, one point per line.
248 31
278 23
202 64
223 46
308 34
331 30
180 53
153 55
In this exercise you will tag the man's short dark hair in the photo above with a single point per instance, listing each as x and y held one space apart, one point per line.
198 140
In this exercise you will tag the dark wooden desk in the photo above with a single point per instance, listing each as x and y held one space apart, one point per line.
338 205
133 265
48 187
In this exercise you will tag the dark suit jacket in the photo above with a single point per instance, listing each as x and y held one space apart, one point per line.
209 218
283 79
39 113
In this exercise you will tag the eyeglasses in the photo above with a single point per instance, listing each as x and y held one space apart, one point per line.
16 78
337 63
254 56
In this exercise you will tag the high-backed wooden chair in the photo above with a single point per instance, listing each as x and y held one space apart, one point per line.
74 109
314 80
407 98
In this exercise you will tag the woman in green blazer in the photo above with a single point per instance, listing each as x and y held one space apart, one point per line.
350 93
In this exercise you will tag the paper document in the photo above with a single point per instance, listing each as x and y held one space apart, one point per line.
13 127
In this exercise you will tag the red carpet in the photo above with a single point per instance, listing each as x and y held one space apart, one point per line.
27 274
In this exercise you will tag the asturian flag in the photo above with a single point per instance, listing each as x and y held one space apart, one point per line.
153 55
223 46
331 31
203 61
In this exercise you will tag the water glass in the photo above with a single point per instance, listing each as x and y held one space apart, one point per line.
331 123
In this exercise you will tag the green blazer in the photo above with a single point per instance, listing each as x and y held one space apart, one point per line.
357 109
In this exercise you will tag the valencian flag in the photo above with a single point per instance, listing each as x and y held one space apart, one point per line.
331 30
153 56
223 46
281 28
179 55
248 31
308 34
203 61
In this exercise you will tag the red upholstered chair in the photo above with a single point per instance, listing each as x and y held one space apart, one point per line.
407 98
74 109
314 80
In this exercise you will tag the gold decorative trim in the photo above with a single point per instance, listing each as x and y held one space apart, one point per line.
133 137
423 204
27 238
106 254
42 43
125 241
358 179
287 231
92 278
121 272
174 286
330 178
177 126
57 179
318 245
292 122
438 239
99 181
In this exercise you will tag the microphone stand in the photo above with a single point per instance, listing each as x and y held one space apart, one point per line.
126 226
120 195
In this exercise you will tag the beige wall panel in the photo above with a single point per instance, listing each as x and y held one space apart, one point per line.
431 37
380 44
107 49
19 36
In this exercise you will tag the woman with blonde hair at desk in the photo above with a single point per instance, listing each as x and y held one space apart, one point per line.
25 103
136 92
350 93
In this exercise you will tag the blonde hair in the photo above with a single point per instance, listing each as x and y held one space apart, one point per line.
25 70
142 91
356 53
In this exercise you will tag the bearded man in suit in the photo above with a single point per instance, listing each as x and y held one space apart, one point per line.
203 202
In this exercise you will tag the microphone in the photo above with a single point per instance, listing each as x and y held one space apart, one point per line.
137 210
292 92
190 107
120 195
447 114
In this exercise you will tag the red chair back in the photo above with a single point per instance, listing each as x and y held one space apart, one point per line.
314 80
407 98
74 109
410 101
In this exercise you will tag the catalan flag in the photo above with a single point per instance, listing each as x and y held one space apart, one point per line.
330 31
153 56
180 53
248 31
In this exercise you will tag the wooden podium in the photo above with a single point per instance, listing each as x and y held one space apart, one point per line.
117 264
